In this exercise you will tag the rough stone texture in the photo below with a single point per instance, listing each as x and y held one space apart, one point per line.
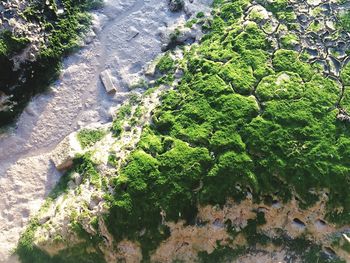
65 152
107 81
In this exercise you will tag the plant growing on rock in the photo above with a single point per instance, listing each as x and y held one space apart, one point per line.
245 121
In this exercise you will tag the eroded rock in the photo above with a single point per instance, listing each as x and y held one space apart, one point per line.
107 81
65 152
176 5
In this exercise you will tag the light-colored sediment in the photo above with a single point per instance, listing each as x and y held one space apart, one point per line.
126 35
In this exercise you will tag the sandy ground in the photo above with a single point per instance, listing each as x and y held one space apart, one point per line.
127 37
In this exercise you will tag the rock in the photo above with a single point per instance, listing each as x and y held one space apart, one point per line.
77 178
314 2
176 5
151 69
334 65
127 127
258 12
121 96
94 201
65 152
343 116
298 224
107 82
71 185
46 216
346 238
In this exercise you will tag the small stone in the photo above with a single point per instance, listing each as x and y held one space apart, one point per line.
127 127
107 82
77 178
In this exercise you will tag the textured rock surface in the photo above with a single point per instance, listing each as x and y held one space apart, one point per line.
64 153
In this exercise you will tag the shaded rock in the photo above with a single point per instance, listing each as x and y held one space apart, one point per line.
298 223
343 116
176 5
77 178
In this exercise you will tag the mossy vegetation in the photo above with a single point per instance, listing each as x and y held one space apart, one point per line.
10 44
235 119
344 21
62 35
88 137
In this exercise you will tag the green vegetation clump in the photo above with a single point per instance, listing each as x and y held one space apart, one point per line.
62 35
344 21
10 44
345 75
289 41
123 113
166 64
288 60
235 123
345 102
232 9
88 137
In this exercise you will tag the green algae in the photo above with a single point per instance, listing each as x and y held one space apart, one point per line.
291 141
88 137
63 33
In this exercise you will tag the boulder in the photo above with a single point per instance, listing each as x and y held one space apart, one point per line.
63 155
107 81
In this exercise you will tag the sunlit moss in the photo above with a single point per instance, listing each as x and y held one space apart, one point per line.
284 85
288 60
345 74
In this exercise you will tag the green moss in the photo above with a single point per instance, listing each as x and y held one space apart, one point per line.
190 23
240 76
284 85
166 64
289 41
345 75
277 5
344 21
288 60
85 167
251 38
232 10
315 26
200 15
123 113
62 35
88 137
345 102
240 120
10 44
